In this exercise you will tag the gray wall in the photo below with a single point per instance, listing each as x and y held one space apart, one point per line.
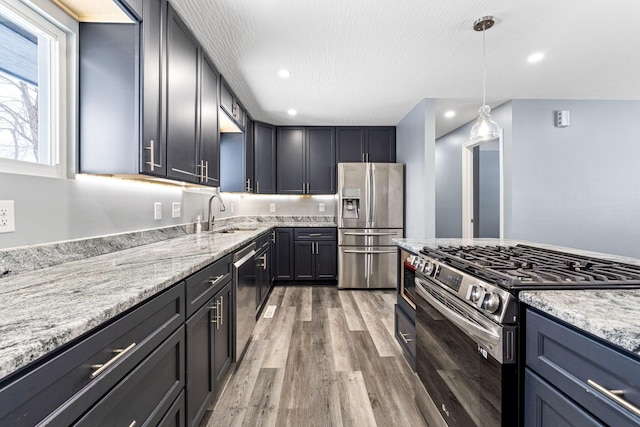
51 210
448 155
577 186
415 147
488 199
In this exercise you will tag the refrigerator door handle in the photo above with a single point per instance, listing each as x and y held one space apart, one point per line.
394 233
355 251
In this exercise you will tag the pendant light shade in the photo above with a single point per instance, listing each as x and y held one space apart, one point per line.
484 129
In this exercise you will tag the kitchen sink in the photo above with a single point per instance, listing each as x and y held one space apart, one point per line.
236 230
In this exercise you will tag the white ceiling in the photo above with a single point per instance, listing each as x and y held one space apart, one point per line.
369 62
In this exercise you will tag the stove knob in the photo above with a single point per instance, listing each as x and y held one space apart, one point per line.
476 293
491 302
427 268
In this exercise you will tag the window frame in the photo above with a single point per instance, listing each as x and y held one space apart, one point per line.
61 78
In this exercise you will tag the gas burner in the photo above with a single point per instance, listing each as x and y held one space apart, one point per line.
528 267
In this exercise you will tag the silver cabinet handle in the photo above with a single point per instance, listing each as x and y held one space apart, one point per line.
133 423
404 338
616 396
363 160
215 315
206 168
200 167
120 354
152 163
216 279
257 187
221 309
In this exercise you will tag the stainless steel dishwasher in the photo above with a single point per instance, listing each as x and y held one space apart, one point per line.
244 282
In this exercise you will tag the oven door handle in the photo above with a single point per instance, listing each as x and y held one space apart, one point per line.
488 336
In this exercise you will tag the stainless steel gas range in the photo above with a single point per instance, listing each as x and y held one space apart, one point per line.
468 347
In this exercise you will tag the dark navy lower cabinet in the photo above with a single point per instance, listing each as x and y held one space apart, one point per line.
585 371
315 254
546 406
405 330
282 254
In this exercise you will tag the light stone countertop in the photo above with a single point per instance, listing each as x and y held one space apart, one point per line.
45 308
612 315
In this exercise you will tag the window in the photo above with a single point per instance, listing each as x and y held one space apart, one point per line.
32 94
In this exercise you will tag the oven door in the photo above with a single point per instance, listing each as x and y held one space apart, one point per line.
465 362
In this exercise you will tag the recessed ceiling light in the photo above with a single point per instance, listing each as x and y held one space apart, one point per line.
449 114
292 112
535 57
284 74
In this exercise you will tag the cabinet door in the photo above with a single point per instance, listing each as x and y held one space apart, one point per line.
305 260
321 160
200 358
265 158
290 163
350 143
283 254
153 148
248 157
222 332
226 98
381 144
325 259
209 163
182 100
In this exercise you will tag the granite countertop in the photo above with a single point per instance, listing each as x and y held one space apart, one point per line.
45 308
612 315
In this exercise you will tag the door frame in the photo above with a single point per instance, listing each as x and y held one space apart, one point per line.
467 185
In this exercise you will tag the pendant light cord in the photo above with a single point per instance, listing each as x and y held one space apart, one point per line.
484 68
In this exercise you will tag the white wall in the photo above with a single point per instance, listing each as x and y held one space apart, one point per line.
415 147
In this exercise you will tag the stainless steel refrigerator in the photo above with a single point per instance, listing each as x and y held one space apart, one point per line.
370 215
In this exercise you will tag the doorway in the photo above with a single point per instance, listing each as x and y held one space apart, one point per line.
482 189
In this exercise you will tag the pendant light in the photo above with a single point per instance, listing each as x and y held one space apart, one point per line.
484 129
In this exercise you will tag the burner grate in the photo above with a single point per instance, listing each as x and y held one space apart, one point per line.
528 267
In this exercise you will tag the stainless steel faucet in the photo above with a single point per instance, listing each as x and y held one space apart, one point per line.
211 217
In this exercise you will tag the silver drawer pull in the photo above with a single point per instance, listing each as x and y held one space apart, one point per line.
216 279
405 339
315 234
616 396
133 423
119 354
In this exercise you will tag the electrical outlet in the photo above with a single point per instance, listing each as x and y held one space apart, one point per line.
175 210
157 210
321 207
7 216
272 207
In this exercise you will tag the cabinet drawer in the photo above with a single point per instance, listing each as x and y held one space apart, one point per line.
546 406
201 286
64 383
145 395
568 359
406 334
314 234
175 415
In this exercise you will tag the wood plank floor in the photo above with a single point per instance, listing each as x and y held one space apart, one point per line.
326 358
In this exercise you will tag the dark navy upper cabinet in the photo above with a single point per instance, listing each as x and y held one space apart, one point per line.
121 104
182 101
229 103
265 158
366 144
249 149
290 160
209 161
321 160
306 160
